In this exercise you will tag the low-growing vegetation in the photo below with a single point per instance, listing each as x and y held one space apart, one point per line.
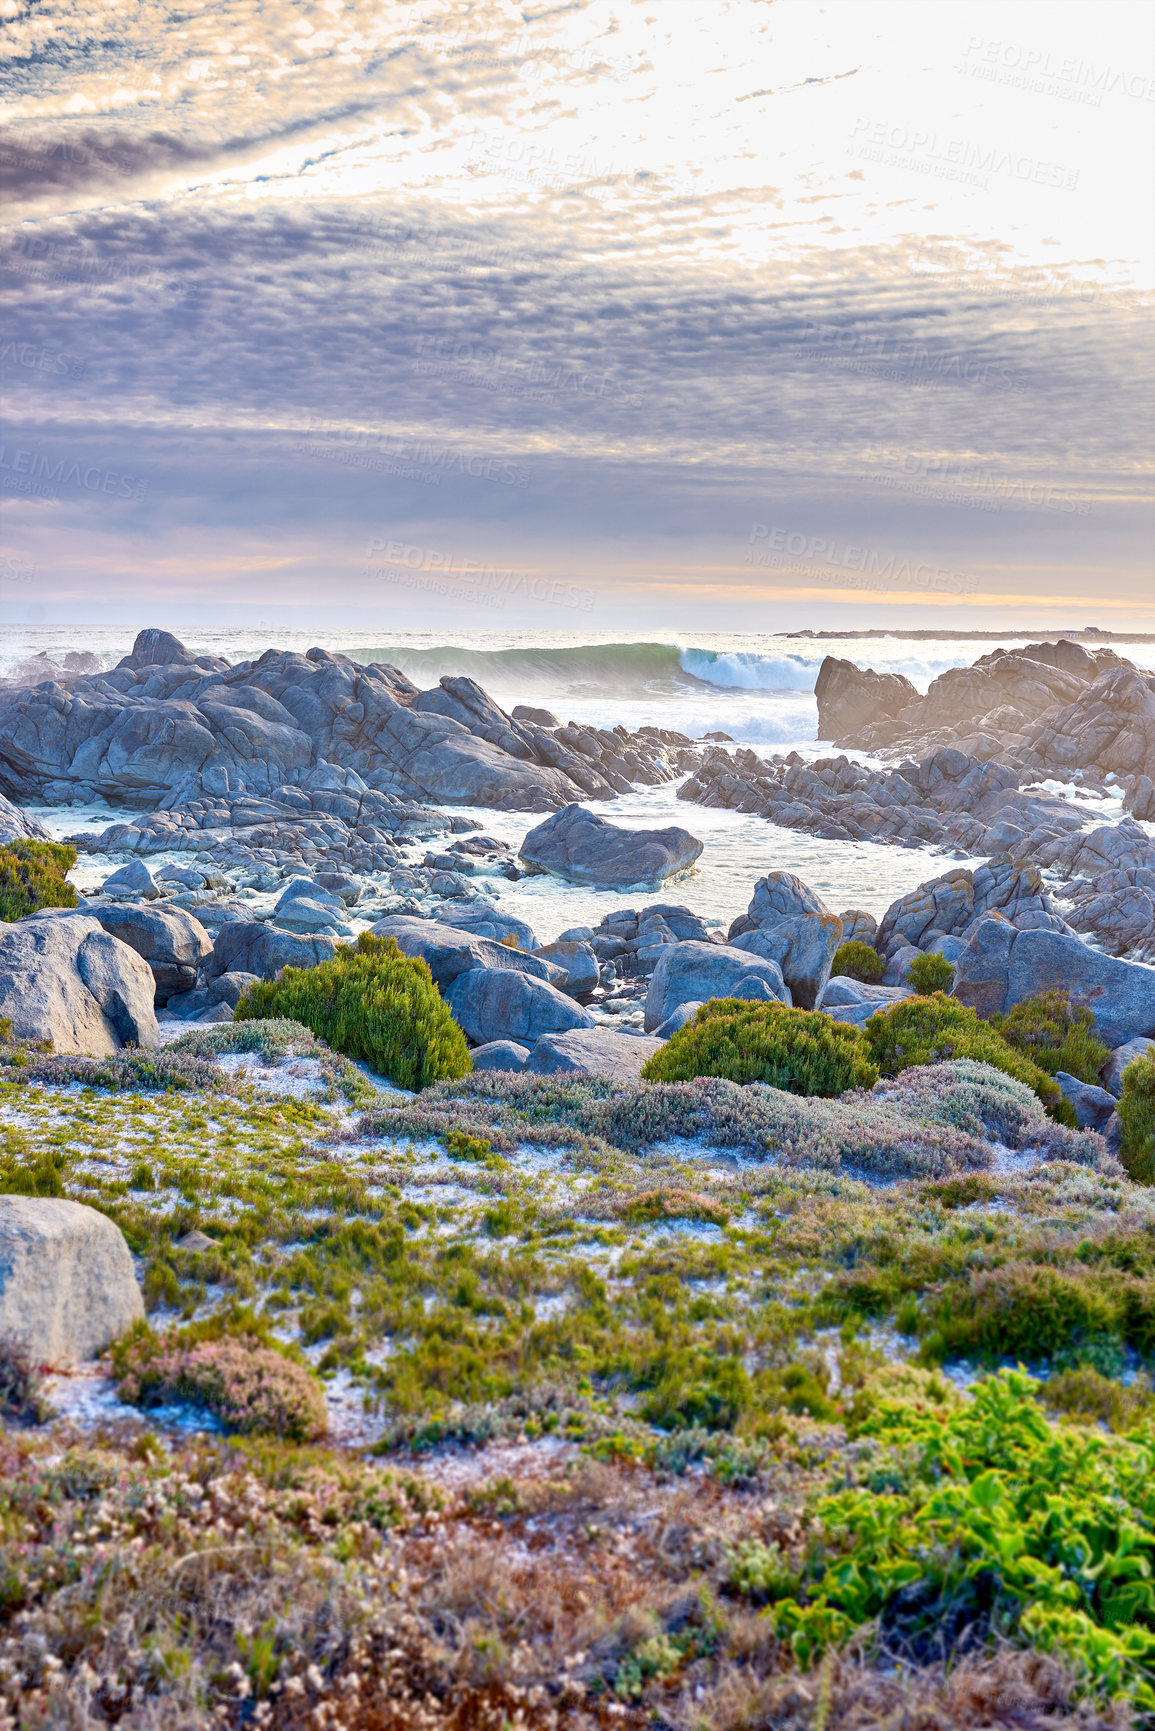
1137 1116
930 972
799 1051
1054 1035
856 960
33 875
929 1030
370 1002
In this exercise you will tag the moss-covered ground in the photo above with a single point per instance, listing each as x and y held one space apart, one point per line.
681 1348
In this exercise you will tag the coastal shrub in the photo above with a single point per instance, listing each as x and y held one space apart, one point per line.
1088 1395
799 1051
927 1030
1137 1116
251 1388
983 1519
373 1003
21 1387
125 1072
1029 1312
858 961
26 1170
930 972
33 874
1054 1036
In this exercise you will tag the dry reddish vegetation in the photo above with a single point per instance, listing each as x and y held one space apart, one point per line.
245 1585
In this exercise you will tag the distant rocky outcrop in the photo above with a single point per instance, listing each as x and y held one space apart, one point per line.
851 698
166 729
584 849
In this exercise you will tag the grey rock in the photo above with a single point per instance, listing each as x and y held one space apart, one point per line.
576 935
488 921
449 952
539 717
16 825
133 879
576 845
858 927
1120 1058
230 988
67 1286
850 697
172 943
948 945
64 978
618 1057
500 1055
191 1006
898 965
677 1019
786 922
501 1004
841 989
1094 1107
1001 966
248 947
693 971
578 962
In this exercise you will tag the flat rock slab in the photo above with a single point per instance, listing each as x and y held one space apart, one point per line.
583 849
592 1052
67 1285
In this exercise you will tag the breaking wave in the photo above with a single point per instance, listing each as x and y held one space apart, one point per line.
624 669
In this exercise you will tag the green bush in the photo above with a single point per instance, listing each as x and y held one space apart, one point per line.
799 1051
930 973
1137 1116
1054 1036
250 1387
858 961
931 1030
33 875
370 1002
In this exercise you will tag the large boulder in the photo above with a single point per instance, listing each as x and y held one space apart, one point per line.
500 1055
1116 1066
693 971
788 924
577 961
583 849
67 1286
249 947
16 825
172 943
64 978
133 879
592 1052
502 1004
449 952
850 697
1001 966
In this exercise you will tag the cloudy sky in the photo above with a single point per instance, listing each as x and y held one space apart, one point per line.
645 314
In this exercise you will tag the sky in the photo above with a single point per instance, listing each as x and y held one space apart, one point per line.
641 315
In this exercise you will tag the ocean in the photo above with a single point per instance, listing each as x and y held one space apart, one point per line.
757 688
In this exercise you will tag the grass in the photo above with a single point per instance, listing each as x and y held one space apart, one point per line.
701 1297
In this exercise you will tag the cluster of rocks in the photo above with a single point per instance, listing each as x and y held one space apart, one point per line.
1109 886
1048 708
167 729
950 800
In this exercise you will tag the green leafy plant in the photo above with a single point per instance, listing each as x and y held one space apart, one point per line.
984 1518
1137 1116
858 961
930 972
930 1030
1054 1036
799 1051
33 874
373 1003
